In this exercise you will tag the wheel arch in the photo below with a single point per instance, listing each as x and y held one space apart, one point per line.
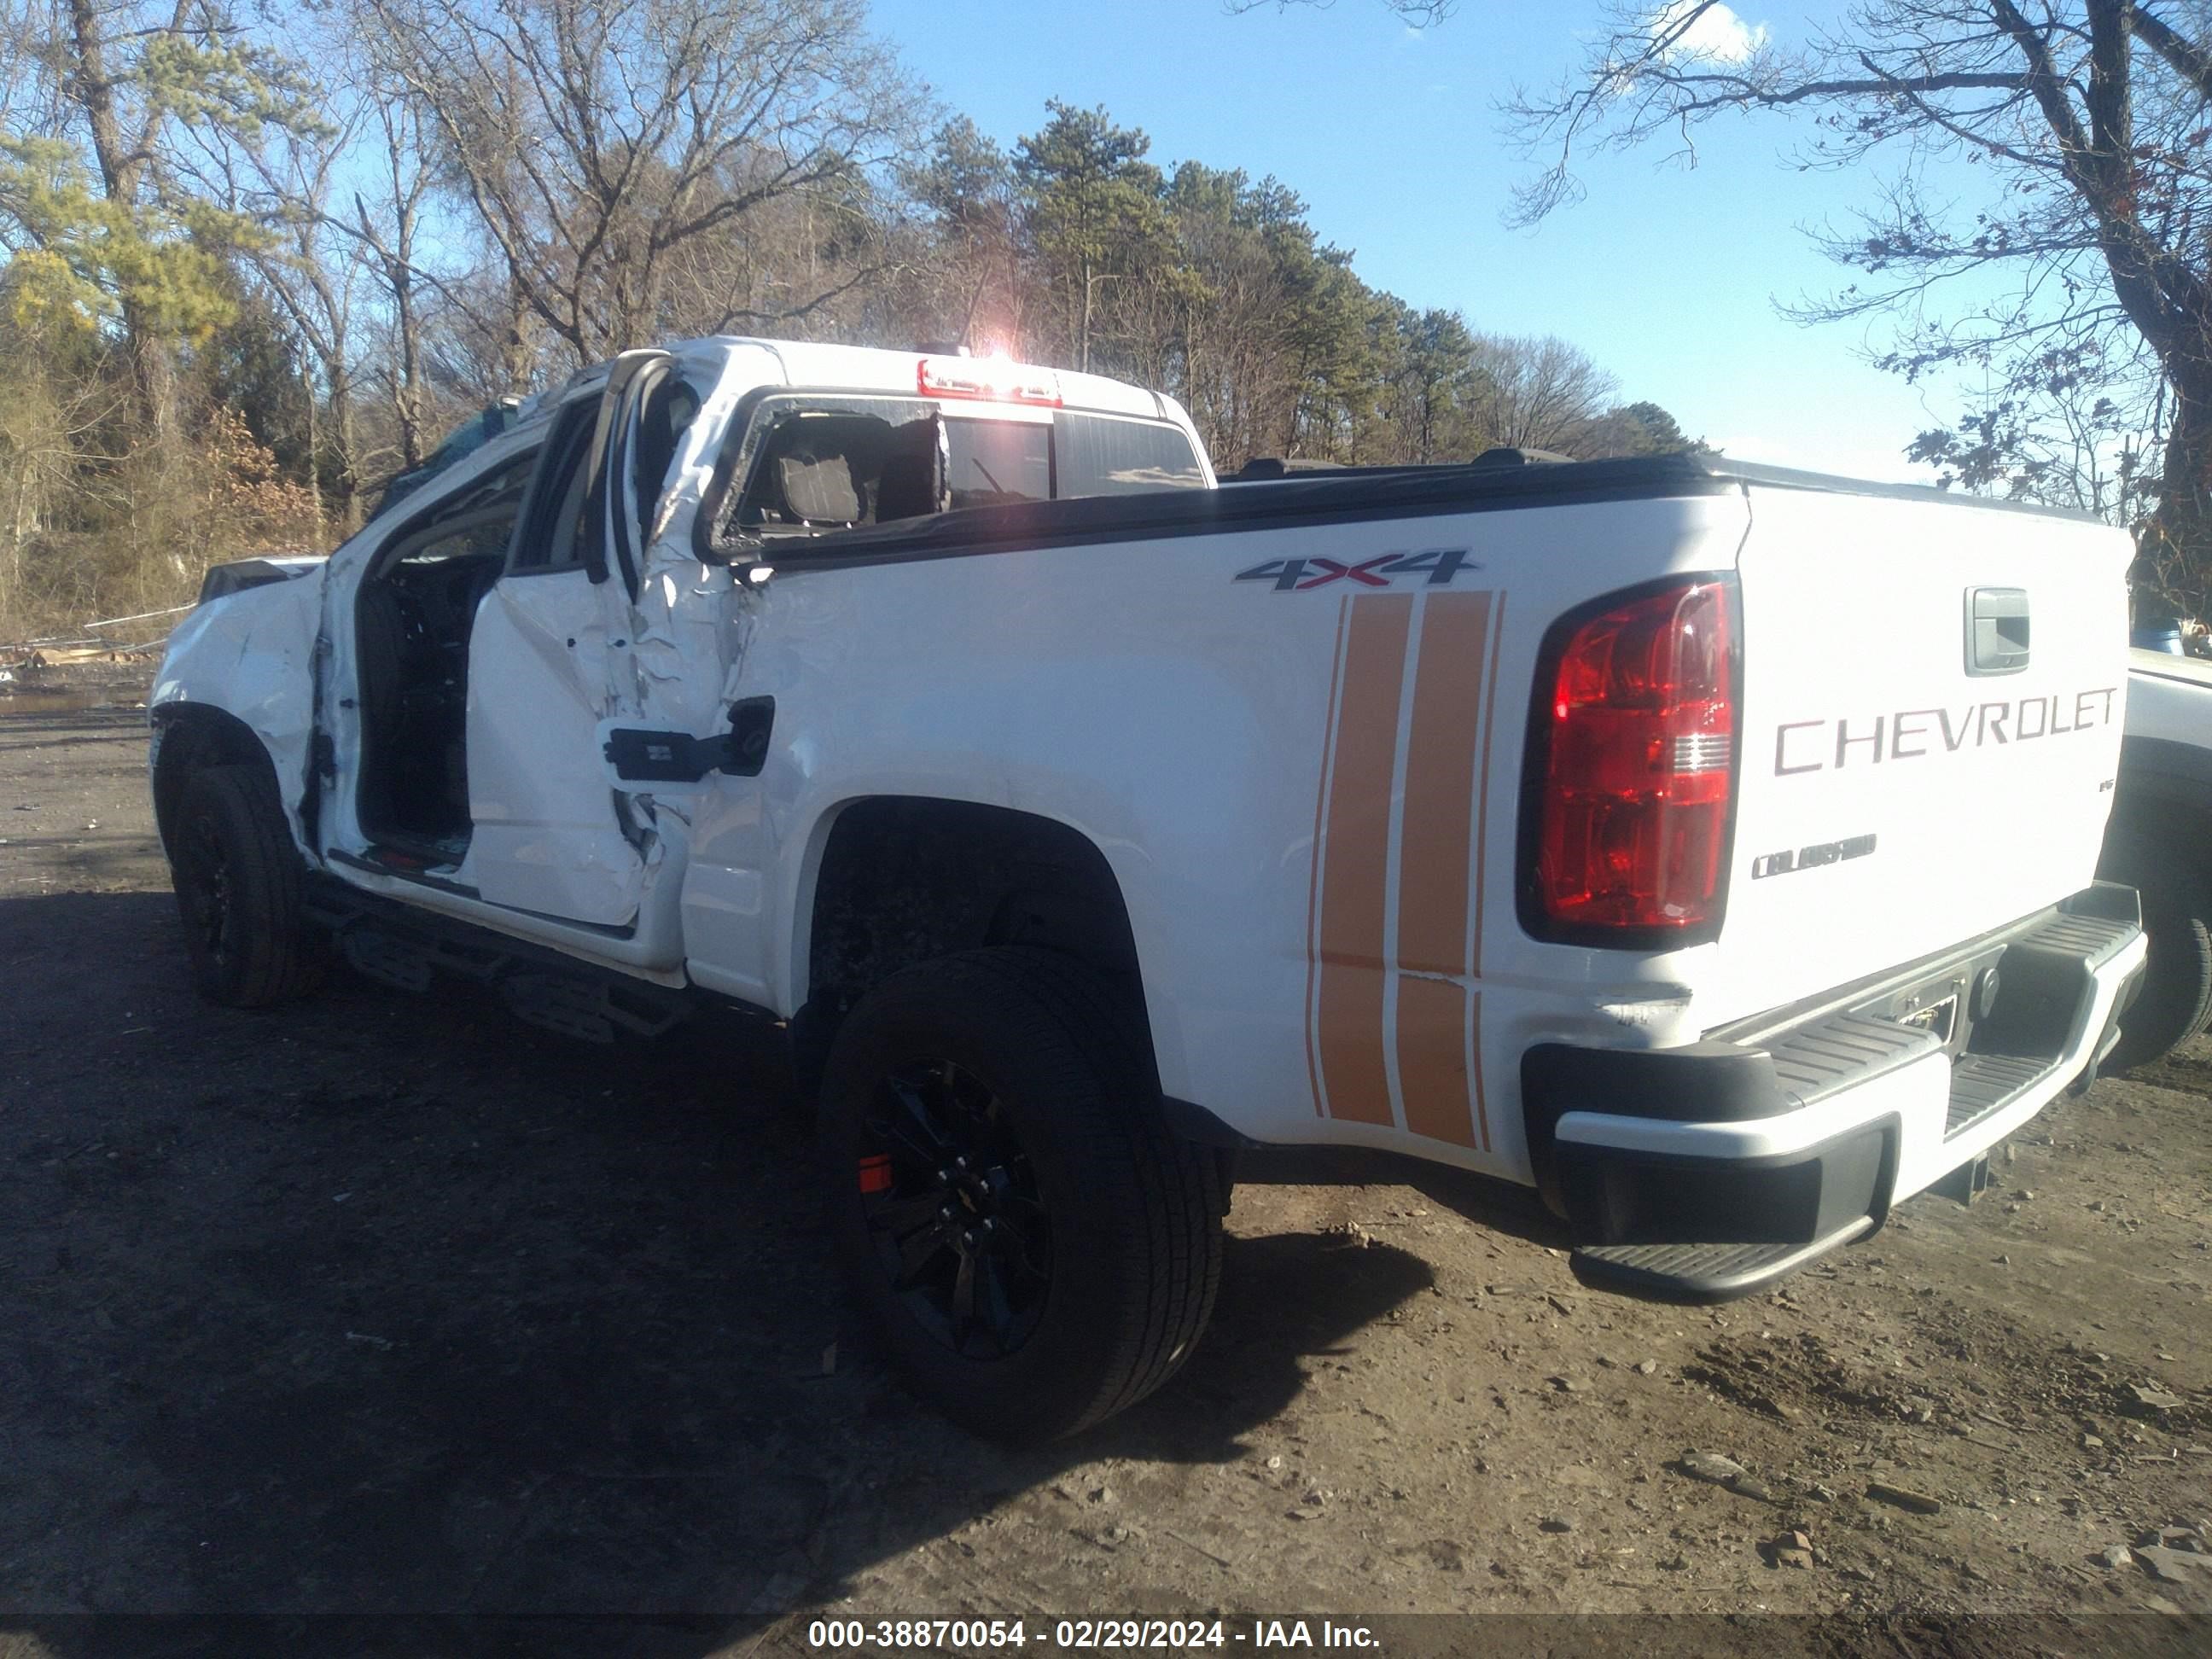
186 735
891 879
2159 841
2157 804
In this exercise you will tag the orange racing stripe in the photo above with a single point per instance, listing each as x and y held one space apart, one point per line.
1313 880
1446 716
1481 867
1433 1015
1440 782
1435 845
1482 809
1355 856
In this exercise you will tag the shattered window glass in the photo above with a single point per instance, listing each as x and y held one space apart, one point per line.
819 463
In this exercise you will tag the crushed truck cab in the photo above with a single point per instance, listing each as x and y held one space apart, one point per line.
1708 845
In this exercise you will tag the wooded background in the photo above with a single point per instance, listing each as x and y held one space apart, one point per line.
260 257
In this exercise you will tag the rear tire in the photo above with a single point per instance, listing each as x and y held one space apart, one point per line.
237 877
2177 910
1013 1217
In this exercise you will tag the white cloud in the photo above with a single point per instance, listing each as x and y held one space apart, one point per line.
1718 35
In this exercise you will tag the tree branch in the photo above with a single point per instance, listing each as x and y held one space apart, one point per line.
2188 60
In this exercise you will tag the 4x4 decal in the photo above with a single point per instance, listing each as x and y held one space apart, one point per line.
1439 564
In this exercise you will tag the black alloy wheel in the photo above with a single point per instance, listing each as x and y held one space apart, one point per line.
238 881
206 892
953 1210
1017 1226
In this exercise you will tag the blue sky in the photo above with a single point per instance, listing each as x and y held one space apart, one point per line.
1668 276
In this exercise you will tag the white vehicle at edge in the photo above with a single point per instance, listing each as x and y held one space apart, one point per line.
1703 844
2159 842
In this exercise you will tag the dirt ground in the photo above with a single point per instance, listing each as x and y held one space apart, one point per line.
391 1306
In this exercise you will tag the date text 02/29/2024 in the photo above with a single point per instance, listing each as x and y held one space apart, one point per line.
1087 1635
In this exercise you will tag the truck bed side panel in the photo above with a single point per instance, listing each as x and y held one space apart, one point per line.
1307 788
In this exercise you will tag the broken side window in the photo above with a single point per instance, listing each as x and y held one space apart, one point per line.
829 468
814 463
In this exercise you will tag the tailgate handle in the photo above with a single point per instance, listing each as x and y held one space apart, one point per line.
1996 630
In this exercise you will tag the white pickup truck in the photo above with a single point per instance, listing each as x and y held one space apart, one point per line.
1708 846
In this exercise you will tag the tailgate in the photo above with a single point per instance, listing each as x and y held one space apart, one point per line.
1909 778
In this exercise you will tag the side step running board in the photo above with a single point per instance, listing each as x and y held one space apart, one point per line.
411 949
576 1002
1702 1273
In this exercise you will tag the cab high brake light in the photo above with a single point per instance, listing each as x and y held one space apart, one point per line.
1630 795
994 377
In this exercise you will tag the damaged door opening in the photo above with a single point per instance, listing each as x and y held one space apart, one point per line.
414 620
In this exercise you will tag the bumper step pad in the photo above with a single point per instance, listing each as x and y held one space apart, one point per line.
2058 962
1702 1273
1982 1083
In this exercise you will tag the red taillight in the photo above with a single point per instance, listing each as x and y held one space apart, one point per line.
1632 819
990 377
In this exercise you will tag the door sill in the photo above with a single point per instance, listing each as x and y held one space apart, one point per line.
462 890
377 867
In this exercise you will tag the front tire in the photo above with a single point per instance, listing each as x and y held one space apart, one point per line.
237 878
1013 1217
2177 911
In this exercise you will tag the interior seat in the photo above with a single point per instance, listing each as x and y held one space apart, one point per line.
908 488
820 488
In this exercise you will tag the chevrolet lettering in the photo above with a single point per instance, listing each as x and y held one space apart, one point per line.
1911 733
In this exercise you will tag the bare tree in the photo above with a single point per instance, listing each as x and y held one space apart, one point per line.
1535 393
802 263
595 140
48 421
961 280
281 182
383 219
2090 120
